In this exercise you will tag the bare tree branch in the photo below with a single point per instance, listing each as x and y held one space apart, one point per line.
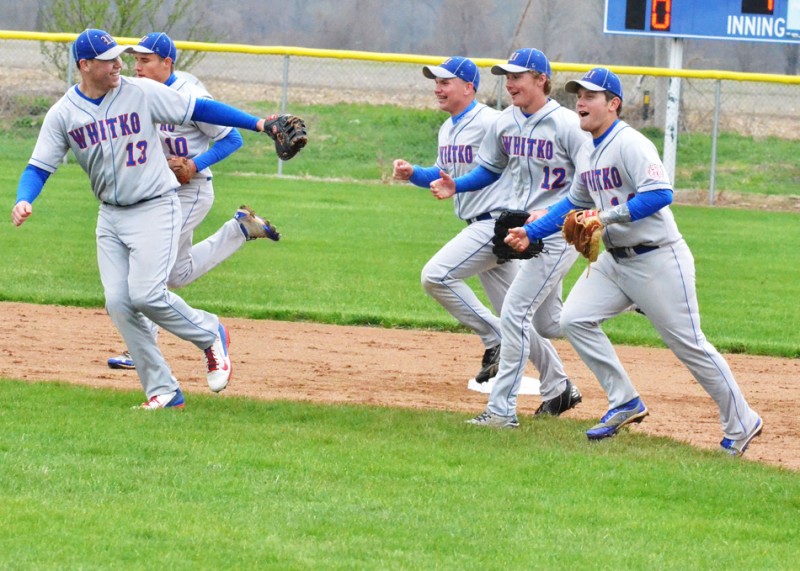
124 18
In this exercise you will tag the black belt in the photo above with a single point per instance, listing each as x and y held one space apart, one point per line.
484 216
136 203
630 252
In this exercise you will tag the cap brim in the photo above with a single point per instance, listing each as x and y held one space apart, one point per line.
505 68
434 71
113 53
141 50
573 85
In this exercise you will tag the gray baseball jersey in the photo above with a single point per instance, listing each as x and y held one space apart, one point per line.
458 147
537 150
115 141
193 138
603 183
191 78
656 272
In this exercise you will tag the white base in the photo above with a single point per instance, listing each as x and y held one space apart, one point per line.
529 386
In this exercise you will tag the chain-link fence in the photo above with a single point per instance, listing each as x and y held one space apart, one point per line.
768 107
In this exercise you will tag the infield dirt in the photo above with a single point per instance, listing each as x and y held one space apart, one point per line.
392 367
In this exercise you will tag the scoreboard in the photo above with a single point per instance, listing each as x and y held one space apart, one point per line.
750 20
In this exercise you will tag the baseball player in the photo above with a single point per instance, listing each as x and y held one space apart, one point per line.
646 262
110 124
469 253
155 59
537 140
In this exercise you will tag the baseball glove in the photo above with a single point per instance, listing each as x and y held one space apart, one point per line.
583 229
289 134
512 219
183 168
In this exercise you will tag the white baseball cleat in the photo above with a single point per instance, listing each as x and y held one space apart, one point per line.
738 447
218 361
168 400
492 420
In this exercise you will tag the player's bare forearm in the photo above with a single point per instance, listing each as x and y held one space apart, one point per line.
20 212
518 239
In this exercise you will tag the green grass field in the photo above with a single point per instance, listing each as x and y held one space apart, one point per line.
744 280
239 484
236 483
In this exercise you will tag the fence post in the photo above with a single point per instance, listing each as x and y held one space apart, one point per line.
70 67
284 99
714 136
673 108
499 104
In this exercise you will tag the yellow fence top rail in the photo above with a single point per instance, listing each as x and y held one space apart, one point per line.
416 59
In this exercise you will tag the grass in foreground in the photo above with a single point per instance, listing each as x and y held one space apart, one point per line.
237 483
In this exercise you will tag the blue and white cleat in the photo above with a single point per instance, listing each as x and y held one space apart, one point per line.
168 400
253 226
630 412
738 447
123 361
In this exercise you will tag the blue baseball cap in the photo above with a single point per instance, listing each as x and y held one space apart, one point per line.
597 79
157 43
456 66
96 44
522 60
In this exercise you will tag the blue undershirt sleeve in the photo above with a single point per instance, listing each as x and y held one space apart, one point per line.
476 179
647 203
550 222
216 113
424 176
31 183
225 147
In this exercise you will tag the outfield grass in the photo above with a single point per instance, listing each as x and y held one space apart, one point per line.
775 172
357 141
360 142
352 253
235 483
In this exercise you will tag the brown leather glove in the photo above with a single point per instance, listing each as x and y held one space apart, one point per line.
583 229
183 168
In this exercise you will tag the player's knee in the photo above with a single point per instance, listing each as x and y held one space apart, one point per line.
180 276
117 304
431 281
573 325
145 300
570 323
176 282
548 328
